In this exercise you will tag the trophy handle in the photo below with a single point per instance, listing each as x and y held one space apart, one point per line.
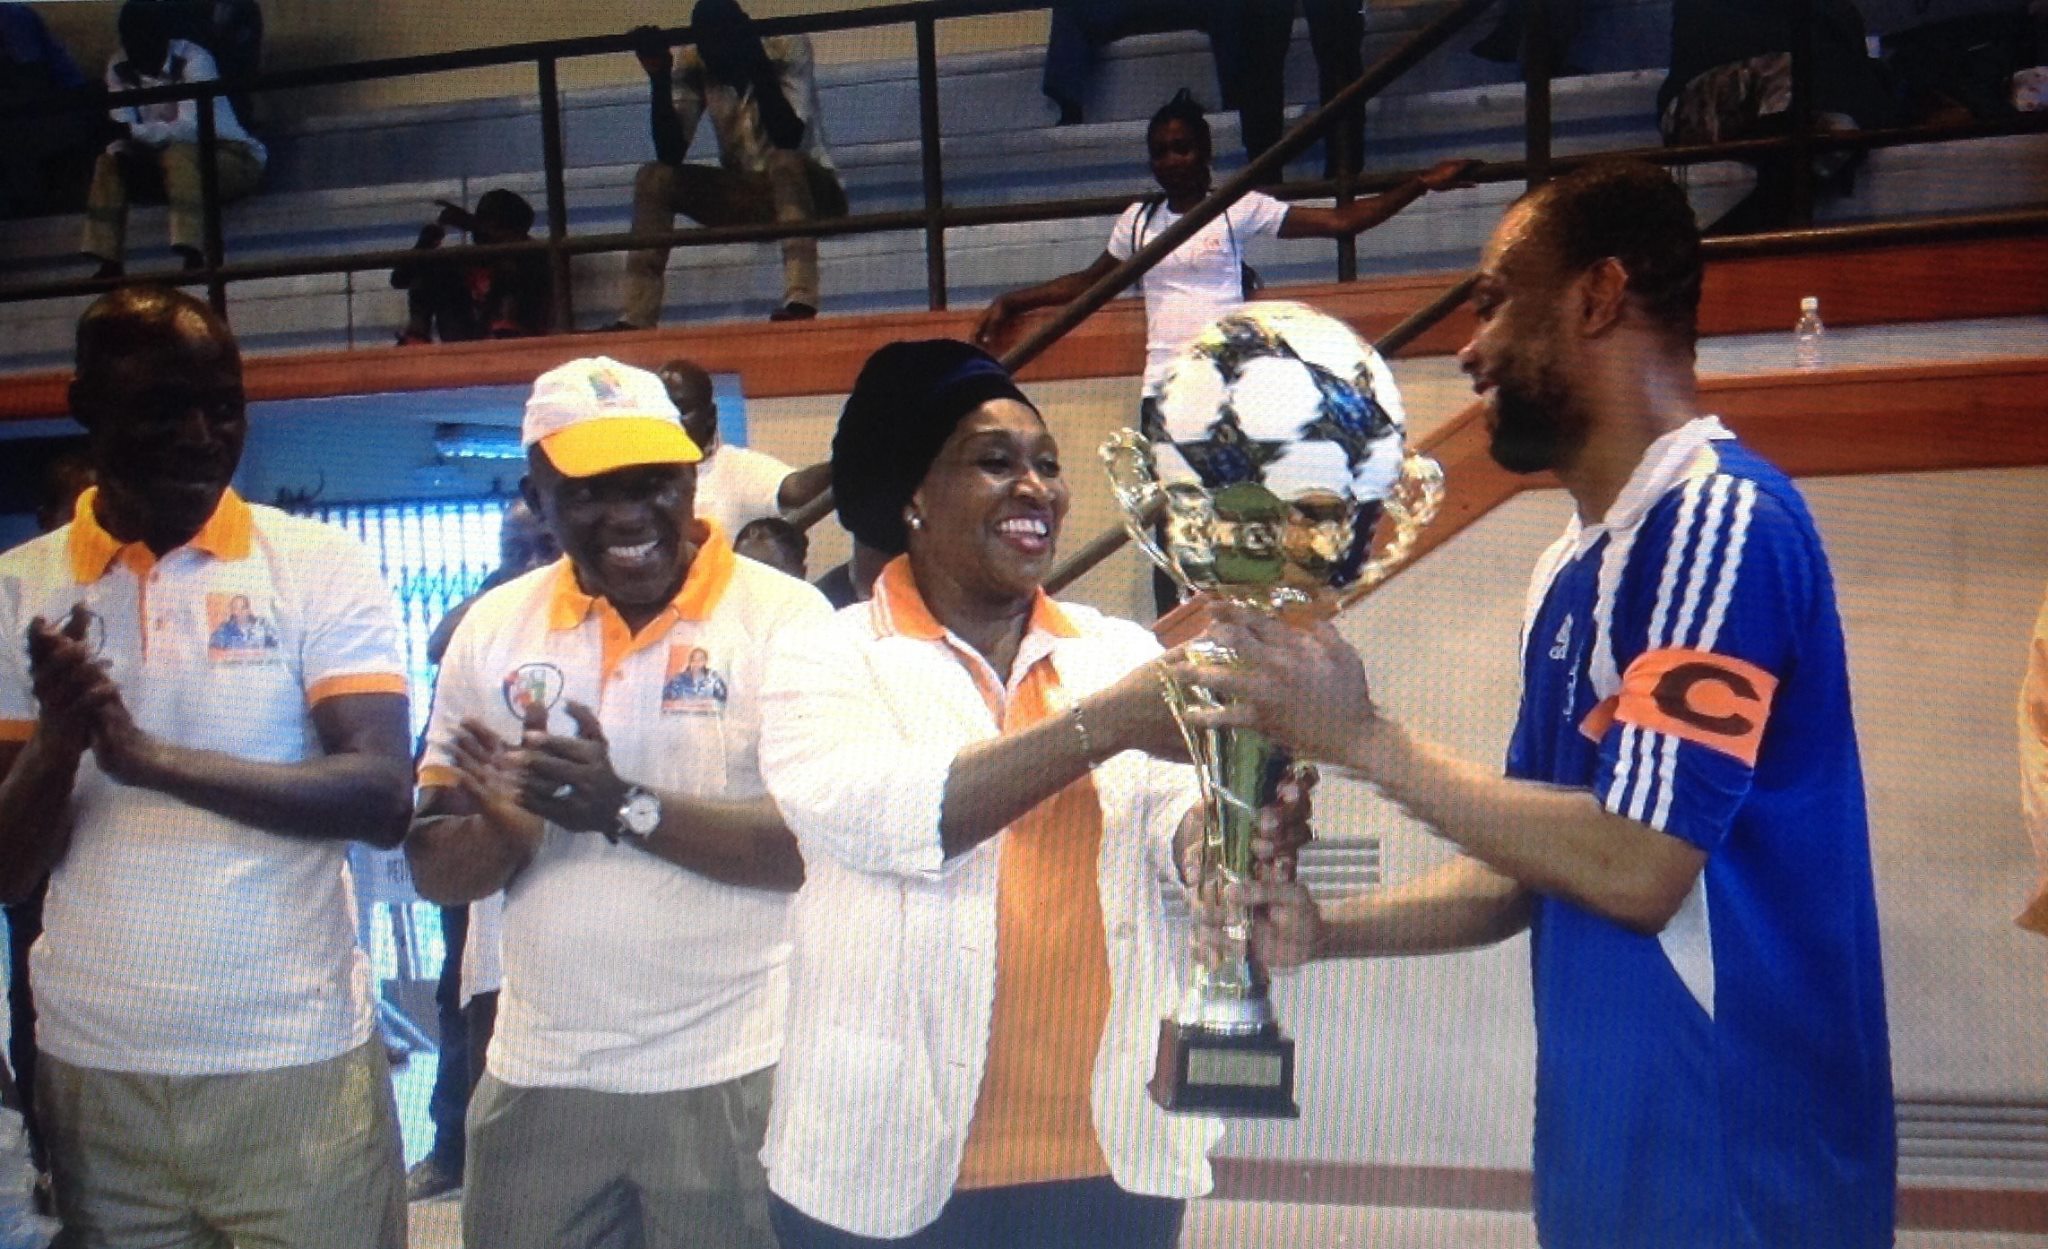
1140 500
1412 504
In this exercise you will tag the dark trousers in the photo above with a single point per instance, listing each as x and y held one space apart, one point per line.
1251 37
24 925
449 1101
1079 27
1073 1214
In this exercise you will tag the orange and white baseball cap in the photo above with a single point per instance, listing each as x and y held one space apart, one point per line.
596 415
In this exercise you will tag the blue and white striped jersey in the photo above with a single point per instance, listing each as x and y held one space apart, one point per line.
1726 1082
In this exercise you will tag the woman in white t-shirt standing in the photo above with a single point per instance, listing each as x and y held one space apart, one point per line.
1206 276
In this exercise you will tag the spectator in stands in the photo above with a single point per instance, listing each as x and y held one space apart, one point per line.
506 297
1731 78
1079 27
1207 276
159 149
772 163
774 542
852 581
646 873
230 29
203 1006
1562 20
1251 38
35 161
2033 724
734 484
524 544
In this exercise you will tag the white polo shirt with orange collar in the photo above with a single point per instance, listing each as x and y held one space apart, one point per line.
625 973
177 941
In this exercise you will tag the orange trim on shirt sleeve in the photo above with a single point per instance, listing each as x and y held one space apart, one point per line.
436 776
1715 701
16 731
355 683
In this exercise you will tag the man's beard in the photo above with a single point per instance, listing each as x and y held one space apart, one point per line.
1537 428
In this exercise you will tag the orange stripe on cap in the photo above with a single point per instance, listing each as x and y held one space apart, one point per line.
355 683
438 776
1711 700
14 732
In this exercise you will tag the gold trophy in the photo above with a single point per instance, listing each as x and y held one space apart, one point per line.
1272 447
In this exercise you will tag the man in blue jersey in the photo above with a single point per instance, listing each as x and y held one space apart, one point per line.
1682 825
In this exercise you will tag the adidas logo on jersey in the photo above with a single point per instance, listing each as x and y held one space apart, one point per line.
1562 647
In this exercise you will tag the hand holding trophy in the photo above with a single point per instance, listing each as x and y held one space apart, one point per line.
1271 448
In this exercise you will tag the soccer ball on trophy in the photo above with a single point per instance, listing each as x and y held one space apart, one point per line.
1280 426
1272 446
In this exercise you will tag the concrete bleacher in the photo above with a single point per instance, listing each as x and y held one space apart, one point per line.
365 182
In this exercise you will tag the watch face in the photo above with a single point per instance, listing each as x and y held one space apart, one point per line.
641 814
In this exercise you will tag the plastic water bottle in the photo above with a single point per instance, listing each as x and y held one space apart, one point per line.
1808 334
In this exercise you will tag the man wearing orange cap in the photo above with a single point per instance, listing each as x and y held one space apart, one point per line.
646 873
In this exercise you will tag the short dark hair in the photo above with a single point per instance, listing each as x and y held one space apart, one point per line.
134 318
1185 109
777 530
509 209
1636 213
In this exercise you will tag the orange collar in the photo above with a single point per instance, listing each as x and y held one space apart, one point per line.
227 534
703 586
899 609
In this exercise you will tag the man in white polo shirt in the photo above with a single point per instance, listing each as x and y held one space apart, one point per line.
208 1072
735 484
592 753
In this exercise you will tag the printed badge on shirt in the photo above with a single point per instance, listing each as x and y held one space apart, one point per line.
532 685
693 687
236 632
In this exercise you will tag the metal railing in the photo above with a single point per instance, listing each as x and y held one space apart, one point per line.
935 216
545 56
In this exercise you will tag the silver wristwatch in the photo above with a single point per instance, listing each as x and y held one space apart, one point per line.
639 814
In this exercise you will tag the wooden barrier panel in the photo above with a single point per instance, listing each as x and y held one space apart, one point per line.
1866 285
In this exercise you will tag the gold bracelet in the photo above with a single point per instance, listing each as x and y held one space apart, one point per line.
1087 740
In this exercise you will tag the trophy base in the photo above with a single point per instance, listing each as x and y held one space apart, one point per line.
1248 1077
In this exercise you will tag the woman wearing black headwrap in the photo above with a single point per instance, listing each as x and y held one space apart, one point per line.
981 960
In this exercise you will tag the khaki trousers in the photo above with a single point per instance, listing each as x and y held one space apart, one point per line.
790 189
301 1157
554 1168
115 178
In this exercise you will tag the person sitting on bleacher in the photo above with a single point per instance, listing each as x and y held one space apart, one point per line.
160 147
42 164
506 297
772 164
232 30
